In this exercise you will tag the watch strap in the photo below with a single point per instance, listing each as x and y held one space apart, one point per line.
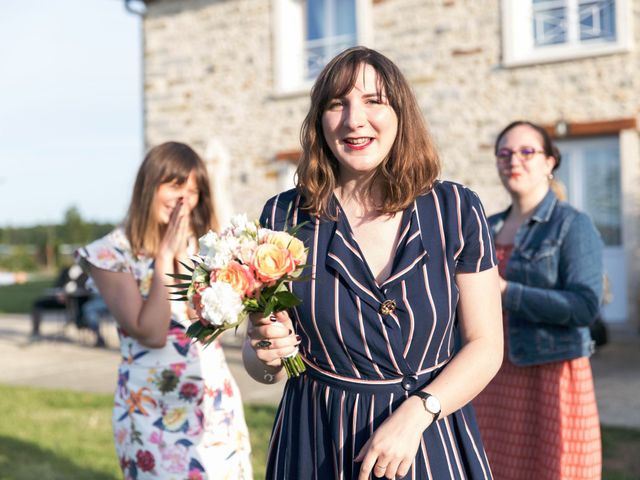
424 396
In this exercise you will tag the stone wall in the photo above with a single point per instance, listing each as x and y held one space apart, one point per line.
209 81
451 52
209 75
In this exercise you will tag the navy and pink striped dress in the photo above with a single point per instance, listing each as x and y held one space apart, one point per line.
362 363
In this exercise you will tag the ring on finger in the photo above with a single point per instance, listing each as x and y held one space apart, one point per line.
381 467
263 344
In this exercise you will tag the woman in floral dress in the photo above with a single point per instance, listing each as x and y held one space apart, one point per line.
178 412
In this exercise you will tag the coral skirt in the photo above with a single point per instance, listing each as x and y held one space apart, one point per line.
540 421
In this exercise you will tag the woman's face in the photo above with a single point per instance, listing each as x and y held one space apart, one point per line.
522 164
360 127
169 193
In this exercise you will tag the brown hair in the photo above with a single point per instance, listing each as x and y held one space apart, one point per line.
412 165
550 149
167 162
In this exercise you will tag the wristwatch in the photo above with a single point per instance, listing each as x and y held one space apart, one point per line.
430 402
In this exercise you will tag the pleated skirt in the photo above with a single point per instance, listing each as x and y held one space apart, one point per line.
321 426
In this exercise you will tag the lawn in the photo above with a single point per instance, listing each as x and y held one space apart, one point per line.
18 298
56 435
62 435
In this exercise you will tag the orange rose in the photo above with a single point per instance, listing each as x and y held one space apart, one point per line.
271 262
239 277
286 241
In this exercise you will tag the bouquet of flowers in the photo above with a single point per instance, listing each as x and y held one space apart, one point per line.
242 270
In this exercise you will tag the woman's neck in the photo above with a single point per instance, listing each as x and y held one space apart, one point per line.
356 196
523 206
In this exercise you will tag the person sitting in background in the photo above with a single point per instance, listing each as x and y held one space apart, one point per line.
92 311
68 287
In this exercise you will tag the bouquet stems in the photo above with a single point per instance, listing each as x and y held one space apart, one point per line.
293 364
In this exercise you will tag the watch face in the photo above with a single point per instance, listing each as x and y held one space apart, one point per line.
433 404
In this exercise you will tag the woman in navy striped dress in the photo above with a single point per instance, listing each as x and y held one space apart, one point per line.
401 263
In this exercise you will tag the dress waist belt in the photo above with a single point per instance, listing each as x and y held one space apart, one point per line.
406 384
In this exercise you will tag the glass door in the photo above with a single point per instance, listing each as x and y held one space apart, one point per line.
590 171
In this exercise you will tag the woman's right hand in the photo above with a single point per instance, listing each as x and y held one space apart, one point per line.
174 240
272 337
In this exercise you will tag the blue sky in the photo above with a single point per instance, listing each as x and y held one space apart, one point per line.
70 109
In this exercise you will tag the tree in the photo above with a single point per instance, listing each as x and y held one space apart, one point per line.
74 229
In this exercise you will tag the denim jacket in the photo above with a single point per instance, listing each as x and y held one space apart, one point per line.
554 283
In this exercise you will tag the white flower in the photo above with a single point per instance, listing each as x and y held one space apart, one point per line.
216 251
207 241
240 222
221 304
240 226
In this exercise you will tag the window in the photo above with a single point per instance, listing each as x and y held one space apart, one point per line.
308 33
590 171
546 30
331 28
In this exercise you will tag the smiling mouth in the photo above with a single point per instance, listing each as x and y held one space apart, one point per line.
359 143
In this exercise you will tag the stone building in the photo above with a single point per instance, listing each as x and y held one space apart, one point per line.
232 78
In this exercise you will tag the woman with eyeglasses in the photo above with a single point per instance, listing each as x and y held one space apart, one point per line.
538 417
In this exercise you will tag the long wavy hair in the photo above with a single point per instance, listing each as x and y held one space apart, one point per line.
167 162
412 165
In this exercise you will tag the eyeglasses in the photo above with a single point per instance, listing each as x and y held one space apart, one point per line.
523 153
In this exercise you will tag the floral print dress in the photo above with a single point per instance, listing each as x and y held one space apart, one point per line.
178 412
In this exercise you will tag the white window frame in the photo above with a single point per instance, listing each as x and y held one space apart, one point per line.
290 38
518 45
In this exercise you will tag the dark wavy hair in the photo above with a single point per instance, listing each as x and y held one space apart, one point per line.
412 165
550 149
167 162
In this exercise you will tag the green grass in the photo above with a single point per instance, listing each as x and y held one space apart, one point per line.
62 435
19 298
55 435
58 434
620 448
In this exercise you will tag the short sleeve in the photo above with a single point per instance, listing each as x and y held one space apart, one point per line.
106 253
267 215
279 210
477 252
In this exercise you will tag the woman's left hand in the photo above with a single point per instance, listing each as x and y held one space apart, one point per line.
392 449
